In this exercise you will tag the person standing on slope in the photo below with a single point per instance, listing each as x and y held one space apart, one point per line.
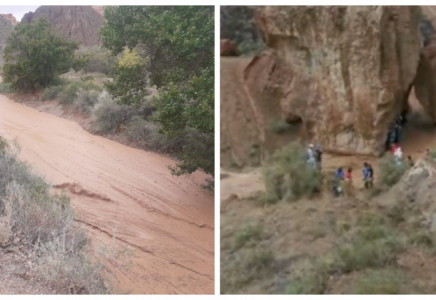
318 156
368 175
311 161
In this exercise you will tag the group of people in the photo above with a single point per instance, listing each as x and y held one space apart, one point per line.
342 181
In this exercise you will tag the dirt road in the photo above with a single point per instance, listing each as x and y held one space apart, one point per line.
168 221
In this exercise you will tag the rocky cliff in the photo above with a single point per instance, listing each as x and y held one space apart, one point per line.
80 23
343 72
11 19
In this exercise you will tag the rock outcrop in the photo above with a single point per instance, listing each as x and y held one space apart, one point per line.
81 23
11 19
344 72
227 48
5 30
414 194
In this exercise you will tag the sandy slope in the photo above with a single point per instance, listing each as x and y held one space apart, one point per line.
168 221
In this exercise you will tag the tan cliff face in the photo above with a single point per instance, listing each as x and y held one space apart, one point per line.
344 72
80 23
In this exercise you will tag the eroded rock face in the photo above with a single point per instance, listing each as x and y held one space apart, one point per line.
346 72
80 23
11 19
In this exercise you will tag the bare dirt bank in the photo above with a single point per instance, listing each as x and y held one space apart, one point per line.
168 221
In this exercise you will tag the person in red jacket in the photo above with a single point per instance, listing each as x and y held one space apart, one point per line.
349 182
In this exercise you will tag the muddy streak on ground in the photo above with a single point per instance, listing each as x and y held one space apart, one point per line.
168 221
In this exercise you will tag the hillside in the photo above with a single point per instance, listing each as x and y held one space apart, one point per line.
80 23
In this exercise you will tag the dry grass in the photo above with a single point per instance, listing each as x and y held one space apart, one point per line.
44 224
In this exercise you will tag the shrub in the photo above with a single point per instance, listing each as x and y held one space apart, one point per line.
384 281
369 247
390 171
6 88
287 175
85 100
51 93
109 115
147 135
311 281
247 264
71 92
247 234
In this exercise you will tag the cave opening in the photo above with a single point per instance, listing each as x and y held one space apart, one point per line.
419 133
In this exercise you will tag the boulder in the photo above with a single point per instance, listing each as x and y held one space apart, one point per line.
344 72
228 48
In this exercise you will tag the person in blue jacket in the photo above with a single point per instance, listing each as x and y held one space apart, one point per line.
368 175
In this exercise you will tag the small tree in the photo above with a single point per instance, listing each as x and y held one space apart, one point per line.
288 176
35 56
176 44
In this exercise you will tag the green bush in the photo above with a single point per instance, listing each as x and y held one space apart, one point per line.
109 116
85 100
6 88
390 171
35 56
147 134
51 92
369 247
71 92
247 234
288 176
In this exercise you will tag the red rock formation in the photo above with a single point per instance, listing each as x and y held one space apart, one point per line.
11 19
80 23
346 72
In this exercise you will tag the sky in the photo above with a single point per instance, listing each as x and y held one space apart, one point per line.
17 10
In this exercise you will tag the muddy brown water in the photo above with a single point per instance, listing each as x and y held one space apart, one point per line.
124 192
